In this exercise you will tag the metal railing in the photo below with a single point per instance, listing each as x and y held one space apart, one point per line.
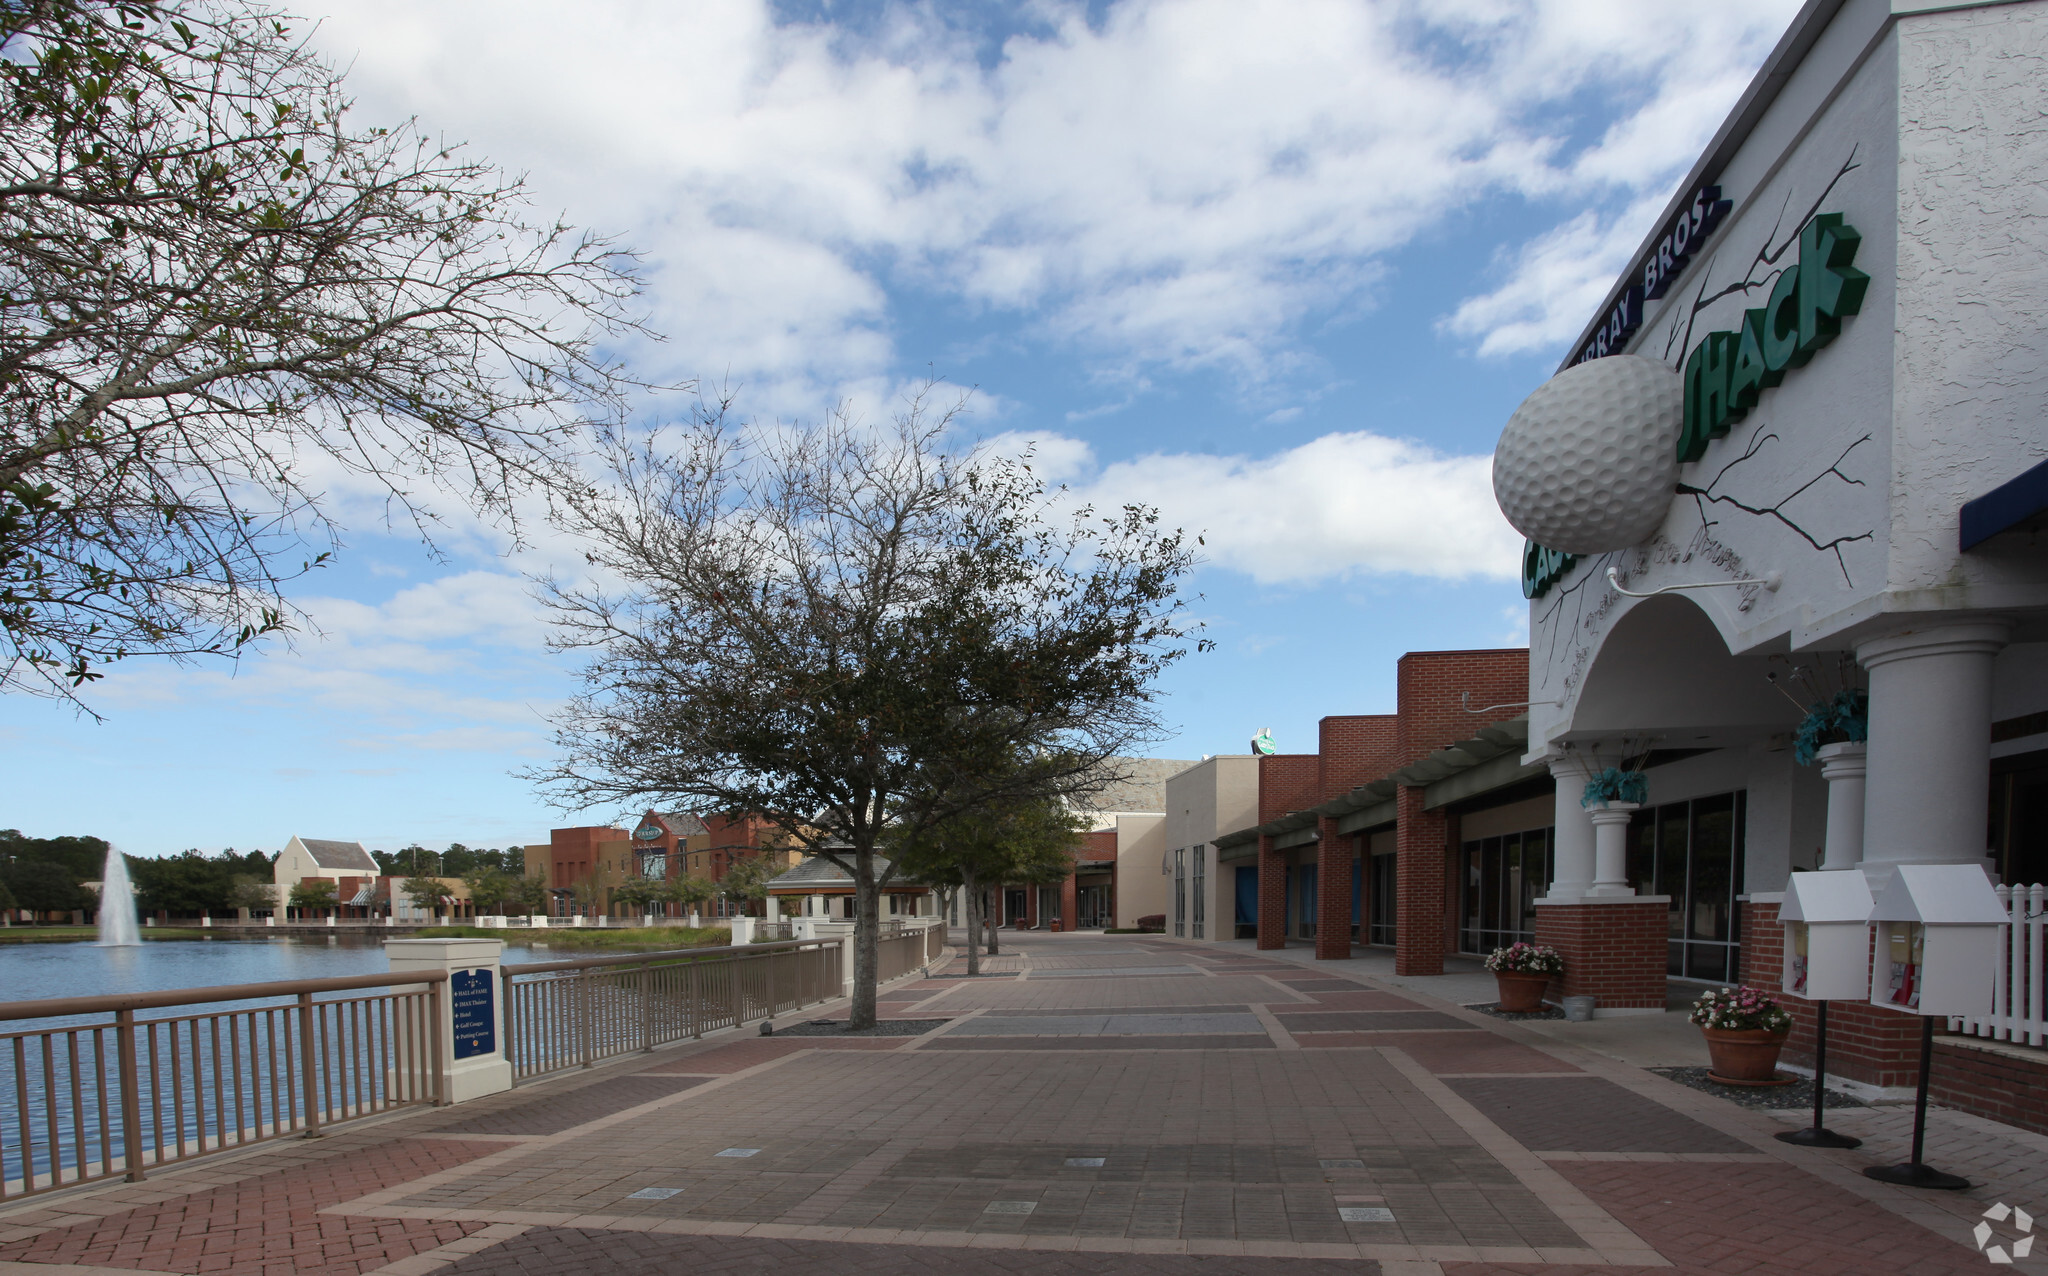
2019 997
107 1097
907 950
567 1014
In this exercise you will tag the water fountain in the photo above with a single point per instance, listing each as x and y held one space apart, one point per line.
117 904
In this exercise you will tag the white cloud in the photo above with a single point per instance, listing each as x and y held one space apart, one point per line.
1180 183
1339 506
1554 284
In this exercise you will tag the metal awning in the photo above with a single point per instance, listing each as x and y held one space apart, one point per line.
363 898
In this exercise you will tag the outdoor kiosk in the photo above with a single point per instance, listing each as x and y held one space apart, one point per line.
1936 956
1827 957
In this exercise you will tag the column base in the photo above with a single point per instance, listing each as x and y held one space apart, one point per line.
1614 949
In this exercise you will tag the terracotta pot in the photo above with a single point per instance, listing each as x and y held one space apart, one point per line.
1521 993
1744 1054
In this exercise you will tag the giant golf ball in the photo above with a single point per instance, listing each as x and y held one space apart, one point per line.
1588 462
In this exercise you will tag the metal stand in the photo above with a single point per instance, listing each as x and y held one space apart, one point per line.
1818 1135
1913 1173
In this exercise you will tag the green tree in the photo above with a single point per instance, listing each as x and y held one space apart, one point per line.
846 629
215 293
489 889
85 858
526 895
186 884
691 892
313 894
424 893
641 893
746 880
1029 841
249 893
41 886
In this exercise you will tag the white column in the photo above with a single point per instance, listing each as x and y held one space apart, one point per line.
473 1062
1572 848
1610 849
1930 743
1842 765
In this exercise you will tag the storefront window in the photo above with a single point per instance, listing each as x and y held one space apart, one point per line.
1380 900
2019 818
1693 851
1200 907
1180 894
1503 876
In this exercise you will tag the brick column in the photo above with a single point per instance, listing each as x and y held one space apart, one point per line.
1069 902
1272 896
1030 907
1418 886
1333 893
1614 949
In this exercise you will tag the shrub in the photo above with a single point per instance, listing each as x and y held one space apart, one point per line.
1153 922
1740 1008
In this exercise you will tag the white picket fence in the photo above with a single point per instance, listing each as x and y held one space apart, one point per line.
2019 1006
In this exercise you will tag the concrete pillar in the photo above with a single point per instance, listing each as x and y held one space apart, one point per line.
1333 893
742 930
473 1062
1572 852
1272 895
1610 849
1930 743
1843 765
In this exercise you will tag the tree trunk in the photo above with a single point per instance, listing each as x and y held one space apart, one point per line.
973 924
867 896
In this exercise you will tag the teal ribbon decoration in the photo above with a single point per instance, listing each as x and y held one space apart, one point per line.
1616 785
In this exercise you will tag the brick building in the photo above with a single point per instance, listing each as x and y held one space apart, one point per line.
585 866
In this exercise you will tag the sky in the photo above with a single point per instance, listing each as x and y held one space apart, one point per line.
1280 270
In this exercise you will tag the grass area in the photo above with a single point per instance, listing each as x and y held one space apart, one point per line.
623 939
19 934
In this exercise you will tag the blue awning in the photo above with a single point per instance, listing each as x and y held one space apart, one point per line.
2020 505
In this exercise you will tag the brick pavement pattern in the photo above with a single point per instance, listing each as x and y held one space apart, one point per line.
269 1224
1337 1126
548 1251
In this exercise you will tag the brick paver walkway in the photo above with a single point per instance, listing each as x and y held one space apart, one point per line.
1097 1105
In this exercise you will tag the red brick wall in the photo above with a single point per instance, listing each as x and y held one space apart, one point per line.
1099 845
1865 1043
1333 893
1419 861
1985 1082
1430 690
1070 910
1272 895
1614 953
1356 750
1882 1047
1288 782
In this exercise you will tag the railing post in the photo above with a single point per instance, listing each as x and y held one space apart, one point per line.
739 996
131 1093
309 1066
468 1032
696 1000
646 1007
582 980
436 996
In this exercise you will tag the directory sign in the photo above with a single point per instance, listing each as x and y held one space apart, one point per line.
472 995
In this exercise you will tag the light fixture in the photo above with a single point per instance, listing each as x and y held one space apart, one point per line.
1769 580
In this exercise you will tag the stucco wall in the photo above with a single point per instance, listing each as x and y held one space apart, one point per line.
1140 888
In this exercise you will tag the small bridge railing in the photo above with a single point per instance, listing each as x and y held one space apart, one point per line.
568 1014
104 1093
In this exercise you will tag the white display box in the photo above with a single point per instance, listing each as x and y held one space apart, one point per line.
1827 936
1938 928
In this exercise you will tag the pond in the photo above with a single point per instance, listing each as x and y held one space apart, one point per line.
31 972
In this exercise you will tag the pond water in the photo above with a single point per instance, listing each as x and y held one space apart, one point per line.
30 972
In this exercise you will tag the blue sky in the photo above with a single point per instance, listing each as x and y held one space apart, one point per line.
1282 270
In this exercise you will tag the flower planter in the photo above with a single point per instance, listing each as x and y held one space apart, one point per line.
1521 992
1745 1056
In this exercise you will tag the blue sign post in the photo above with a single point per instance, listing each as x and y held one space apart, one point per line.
473 1000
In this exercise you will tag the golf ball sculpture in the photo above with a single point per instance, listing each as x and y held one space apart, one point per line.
1588 462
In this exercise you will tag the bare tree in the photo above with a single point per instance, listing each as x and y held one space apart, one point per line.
853 632
219 297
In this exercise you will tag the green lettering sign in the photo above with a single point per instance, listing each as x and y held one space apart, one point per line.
1728 372
1542 568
